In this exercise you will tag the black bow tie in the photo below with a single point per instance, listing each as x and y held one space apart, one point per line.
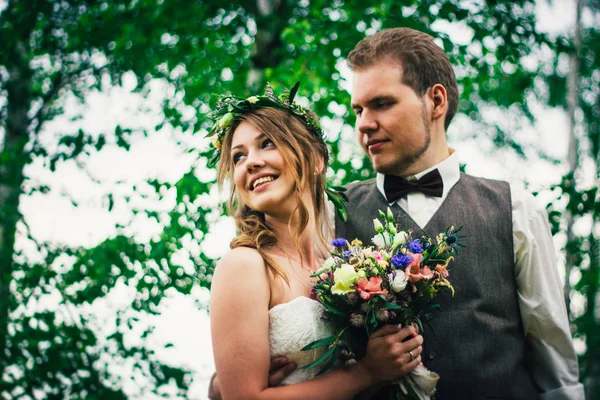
430 184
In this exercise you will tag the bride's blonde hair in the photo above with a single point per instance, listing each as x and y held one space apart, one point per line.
304 155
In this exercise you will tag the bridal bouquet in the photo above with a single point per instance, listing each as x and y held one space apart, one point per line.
393 282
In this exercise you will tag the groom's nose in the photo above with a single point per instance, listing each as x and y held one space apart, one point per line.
366 123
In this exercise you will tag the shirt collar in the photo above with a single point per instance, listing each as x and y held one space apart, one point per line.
448 168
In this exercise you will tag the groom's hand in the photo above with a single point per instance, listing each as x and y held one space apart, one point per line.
393 352
279 369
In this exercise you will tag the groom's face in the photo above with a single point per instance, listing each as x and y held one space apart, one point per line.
392 120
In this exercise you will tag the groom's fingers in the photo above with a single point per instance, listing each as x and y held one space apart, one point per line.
385 331
277 363
412 349
406 333
279 369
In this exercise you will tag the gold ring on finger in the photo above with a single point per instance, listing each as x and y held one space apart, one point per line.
412 356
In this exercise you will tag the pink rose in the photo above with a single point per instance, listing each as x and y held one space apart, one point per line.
369 288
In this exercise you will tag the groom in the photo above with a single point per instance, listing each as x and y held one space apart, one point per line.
505 334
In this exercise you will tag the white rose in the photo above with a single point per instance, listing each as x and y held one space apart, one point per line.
400 238
327 265
398 283
382 240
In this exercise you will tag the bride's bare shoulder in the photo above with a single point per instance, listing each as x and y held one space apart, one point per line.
240 262
240 278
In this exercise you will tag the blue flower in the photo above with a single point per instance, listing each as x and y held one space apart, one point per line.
347 253
339 242
401 260
415 246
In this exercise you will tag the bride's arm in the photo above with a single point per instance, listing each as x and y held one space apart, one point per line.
240 335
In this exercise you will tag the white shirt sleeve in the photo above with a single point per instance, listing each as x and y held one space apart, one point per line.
540 294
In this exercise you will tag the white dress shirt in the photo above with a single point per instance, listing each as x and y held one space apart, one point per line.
539 287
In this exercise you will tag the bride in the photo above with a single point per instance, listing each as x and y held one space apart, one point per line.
272 153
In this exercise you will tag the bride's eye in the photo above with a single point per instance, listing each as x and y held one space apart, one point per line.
237 157
268 143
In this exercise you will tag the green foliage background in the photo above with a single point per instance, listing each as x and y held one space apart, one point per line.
56 51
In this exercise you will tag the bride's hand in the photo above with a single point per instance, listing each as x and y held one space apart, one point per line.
392 353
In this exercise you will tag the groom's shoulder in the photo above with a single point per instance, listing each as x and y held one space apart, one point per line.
358 188
496 186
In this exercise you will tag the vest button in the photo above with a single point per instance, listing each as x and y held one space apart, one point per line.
432 355
428 316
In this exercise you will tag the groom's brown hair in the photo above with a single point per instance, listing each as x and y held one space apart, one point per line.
423 63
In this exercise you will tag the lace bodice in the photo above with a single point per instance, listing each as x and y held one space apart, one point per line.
292 326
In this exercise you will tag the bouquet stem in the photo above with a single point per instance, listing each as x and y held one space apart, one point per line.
419 384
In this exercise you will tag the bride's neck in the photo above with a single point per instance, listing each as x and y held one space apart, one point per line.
287 244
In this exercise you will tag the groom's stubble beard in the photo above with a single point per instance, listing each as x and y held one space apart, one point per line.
405 161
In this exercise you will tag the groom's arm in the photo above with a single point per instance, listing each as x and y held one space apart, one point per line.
548 338
279 369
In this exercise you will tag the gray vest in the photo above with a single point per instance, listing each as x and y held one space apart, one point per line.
475 341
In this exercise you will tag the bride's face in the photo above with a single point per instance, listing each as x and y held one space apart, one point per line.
260 174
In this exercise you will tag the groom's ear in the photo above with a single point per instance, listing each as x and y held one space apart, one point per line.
439 101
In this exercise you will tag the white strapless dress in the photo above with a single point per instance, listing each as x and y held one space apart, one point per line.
292 326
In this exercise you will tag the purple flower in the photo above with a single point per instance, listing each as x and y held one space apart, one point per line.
401 260
339 242
415 247
347 254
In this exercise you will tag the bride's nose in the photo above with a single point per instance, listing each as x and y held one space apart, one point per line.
254 161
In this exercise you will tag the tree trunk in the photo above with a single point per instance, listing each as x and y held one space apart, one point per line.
266 42
572 156
12 161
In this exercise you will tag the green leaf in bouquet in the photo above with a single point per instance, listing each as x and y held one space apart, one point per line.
321 359
334 310
331 360
320 343
420 324
392 306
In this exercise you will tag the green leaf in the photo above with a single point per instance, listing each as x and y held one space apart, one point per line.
321 359
393 306
331 362
334 310
320 343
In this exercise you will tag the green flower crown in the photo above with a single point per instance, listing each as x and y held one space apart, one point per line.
230 107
